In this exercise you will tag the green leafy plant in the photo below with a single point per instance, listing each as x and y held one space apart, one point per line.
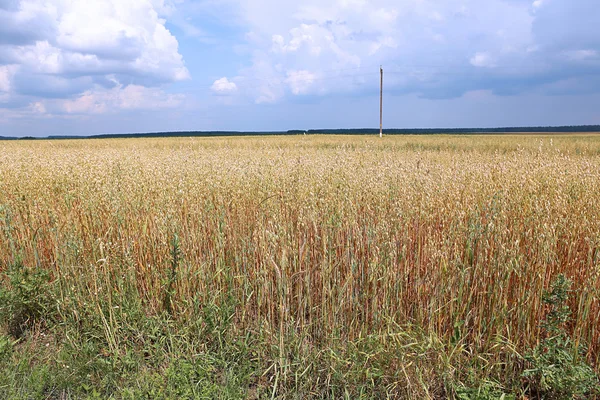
487 391
6 347
169 291
557 367
25 300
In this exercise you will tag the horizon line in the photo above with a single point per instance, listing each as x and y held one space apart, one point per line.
323 131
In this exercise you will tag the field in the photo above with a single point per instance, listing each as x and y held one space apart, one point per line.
300 267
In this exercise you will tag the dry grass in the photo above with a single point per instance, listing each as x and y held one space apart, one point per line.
322 238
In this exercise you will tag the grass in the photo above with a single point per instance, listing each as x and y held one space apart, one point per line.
293 267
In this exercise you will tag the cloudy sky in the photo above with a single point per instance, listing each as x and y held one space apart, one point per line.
108 66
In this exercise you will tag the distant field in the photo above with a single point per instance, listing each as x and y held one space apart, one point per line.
293 267
543 134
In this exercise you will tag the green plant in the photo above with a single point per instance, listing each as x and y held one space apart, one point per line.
26 300
6 347
169 291
487 391
557 365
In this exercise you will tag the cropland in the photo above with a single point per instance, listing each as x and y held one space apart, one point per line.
410 267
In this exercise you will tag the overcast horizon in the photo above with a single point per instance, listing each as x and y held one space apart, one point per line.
70 67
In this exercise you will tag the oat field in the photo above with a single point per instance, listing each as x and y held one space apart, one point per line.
293 267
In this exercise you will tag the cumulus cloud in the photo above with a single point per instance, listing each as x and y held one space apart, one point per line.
91 53
78 47
300 82
223 86
537 4
17 20
482 60
431 48
6 72
341 43
131 97
99 100
581 55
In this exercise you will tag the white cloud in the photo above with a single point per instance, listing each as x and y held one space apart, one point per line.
482 60
582 55
67 47
312 47
309 36
131 97
44 58
38 107
383 42
342 43
127 31
223 86
300 82
6 72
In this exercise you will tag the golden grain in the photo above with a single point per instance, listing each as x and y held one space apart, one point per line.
326 236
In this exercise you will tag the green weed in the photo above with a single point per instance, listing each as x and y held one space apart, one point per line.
556 367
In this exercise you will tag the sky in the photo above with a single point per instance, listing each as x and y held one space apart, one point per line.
75 67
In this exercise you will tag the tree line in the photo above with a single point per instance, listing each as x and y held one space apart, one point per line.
359 131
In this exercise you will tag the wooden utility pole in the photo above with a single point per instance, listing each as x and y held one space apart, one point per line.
381 102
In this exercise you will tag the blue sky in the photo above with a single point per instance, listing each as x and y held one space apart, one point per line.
112 66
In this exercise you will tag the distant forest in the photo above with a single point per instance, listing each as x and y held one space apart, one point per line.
361 131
